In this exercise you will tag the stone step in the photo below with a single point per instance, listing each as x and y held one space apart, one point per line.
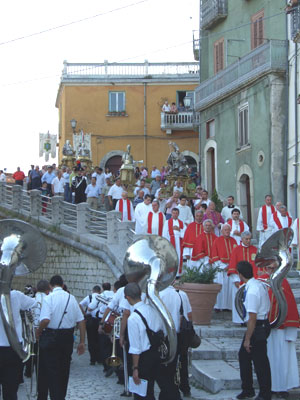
231 395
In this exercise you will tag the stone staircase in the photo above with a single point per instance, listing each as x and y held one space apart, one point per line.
215 367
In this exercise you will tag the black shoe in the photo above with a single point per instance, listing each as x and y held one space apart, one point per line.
246 394
92 362
109 372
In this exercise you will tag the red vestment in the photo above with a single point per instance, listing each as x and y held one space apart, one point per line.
160 222
278 223
292 318
128 208
241 224
264 215
192 232
242 253
222 249
203 246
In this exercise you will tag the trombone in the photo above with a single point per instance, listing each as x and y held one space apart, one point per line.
114 360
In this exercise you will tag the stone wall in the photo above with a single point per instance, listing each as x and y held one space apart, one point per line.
80 271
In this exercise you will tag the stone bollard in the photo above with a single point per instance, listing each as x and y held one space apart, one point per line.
35 202
82 217
17 198
112 226
56 203
125 235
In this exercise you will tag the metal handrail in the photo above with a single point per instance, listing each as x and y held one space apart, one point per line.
97 223
69 214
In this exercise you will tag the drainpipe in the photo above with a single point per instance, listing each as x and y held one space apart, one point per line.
296 130
145 123
199 128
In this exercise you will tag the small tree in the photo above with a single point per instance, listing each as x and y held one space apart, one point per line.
217 201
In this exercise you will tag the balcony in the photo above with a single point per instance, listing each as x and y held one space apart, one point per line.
212 11
181 121
295 24
267 58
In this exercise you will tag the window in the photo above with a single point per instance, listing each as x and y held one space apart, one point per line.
243 125
116 101
210 129
257 29
219 55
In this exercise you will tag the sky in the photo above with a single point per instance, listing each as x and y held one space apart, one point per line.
30 67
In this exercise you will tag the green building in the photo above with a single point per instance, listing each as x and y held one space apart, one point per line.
242 100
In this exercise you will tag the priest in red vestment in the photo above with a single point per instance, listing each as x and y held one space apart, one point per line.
244 252
193 231
125 207
221 252
155 220
282 342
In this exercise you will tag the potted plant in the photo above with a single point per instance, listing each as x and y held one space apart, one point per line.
198 283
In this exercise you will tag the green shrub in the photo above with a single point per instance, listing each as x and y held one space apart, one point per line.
201 274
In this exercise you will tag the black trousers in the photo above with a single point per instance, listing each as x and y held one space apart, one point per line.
258 355
166 381
58 359
43 387
184 371
148 369
92 325
105 348
10 372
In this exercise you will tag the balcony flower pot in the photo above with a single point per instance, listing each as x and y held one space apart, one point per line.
198 284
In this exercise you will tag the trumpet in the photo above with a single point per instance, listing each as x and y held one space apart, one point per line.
114 360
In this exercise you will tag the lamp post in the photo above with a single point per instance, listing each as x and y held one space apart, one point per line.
187 101
73 124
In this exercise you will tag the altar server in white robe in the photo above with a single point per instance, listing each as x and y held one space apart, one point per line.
174 230
238 226
282 343
185 213
263 220
155 221
125 207
280 219
141 214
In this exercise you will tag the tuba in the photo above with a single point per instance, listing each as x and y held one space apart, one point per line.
23 250
152 262
275 252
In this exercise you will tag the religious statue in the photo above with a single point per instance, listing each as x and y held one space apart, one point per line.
68 149
127 159
83 151
176 161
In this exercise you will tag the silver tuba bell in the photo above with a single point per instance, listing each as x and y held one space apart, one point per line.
23 250
152 262
275 252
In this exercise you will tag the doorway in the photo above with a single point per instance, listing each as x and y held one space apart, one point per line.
211 170
245 199
114 164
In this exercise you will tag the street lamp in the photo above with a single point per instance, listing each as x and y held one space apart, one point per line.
73 124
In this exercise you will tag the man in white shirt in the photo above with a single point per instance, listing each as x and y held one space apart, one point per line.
11 366
204 200
155 221
227 210
145 360
174 230
2 176
100 177
155 172
141 187
124 205
115 193
254 345
93 192
263 220
185 213
280 219
59 315
58 185
141 214
166 107
238 226
92 324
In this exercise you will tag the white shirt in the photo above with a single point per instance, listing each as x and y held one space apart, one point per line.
144 189
141 214
97 305
155 173
226 212
58 185
155 222
236 227
125 213
92 191
185 214
100 180
207 202
177 189
116 192
171 300
2 177
39 298
18 302
283 220
257 299
138 338
260 226
85 305
66 177
296 233
53 308
114 304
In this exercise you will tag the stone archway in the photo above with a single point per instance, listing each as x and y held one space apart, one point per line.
192 159
110 155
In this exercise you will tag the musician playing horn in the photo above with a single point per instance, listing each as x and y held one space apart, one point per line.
10 363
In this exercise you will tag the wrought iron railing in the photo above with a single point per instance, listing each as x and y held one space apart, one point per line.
97 223
271 56
212 11
69 215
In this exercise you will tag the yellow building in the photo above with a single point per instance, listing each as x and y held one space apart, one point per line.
120 104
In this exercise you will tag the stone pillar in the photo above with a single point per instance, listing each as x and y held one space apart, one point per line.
56 203
82 217
17 198
125 234
35 202
112 226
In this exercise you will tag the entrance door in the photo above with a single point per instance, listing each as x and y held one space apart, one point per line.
114 164
245 199
210 170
